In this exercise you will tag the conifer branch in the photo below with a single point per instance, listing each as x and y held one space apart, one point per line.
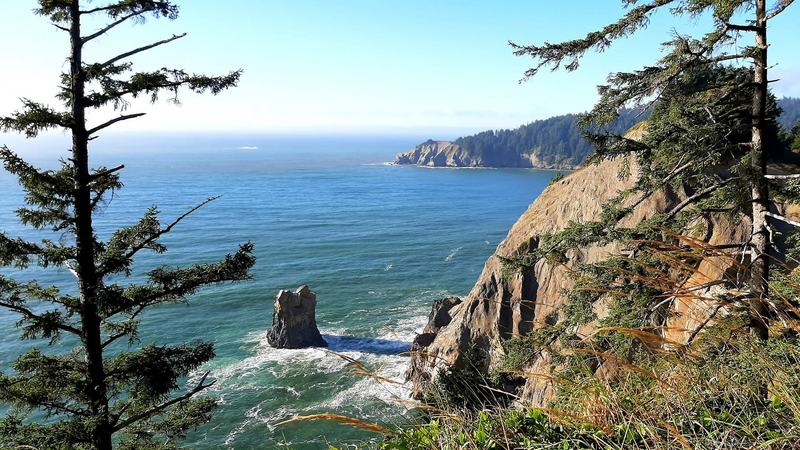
554 55
110 26
141 49
135 248
38 319
201 385
699 195
124 332
113 121
106 172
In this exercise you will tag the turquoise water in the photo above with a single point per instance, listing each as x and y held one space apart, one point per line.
377 243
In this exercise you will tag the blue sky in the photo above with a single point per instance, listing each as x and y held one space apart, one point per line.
440 67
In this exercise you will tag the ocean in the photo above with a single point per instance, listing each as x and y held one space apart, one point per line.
377 243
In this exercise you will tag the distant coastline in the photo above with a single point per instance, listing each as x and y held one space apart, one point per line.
556 143
416 166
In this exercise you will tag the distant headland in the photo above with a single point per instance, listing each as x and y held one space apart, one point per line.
553 143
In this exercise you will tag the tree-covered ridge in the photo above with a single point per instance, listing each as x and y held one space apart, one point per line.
557 141
790 112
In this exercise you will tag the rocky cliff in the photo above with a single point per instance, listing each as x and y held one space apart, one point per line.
439 154
451 154
503 306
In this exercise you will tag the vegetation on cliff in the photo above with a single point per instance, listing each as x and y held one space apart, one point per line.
678 337
555 143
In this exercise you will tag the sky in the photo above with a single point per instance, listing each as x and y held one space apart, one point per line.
441 67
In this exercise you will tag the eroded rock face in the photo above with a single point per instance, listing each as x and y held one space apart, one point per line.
502 306
438 154
449 154
294 323
421 366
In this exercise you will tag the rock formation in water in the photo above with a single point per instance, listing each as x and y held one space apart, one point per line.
502 306
294 323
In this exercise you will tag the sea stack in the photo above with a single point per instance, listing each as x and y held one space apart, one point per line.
294 324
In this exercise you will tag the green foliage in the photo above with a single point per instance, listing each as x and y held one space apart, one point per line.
710 395
107 385
466 384
520 351
790 113
557 178
723 388
556 141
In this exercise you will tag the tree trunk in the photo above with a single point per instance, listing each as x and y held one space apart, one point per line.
84 236
760 196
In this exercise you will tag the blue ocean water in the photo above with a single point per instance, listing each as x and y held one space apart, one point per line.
377 243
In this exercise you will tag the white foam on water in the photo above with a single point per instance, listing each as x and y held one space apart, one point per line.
385 356
388 267
453 253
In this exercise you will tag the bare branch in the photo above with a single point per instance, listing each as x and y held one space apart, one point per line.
142 49
106 172
742 27
98 9
113 121
779 8
106 29
782 177
782 219
157 409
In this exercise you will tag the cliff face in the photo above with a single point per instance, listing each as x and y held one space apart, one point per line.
450 154
438 154
500 306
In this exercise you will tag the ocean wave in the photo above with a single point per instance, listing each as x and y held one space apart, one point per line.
326 376
453 254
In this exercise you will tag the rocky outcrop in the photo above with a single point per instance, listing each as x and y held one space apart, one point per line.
419 371
294 323
438 154
504 305
449 154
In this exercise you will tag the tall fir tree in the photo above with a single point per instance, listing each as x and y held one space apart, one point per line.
108 390
686 57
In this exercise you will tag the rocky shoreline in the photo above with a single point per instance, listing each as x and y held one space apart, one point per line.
449 154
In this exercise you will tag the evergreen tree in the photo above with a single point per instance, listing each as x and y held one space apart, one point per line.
108 390
686 56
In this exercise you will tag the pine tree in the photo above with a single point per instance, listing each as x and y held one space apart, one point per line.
688 54
108 390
